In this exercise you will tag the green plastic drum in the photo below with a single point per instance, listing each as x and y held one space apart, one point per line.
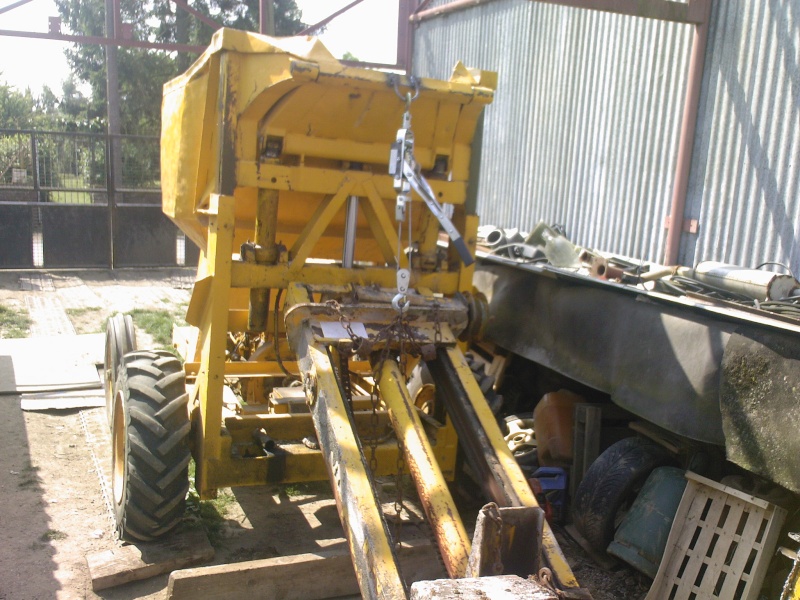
642 535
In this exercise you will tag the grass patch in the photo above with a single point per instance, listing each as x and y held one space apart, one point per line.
208 515
52 534
79 312
311 488
14 323
158 323
29 477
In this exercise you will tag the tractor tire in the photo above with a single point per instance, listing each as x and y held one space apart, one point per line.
150 450
610 486
120 339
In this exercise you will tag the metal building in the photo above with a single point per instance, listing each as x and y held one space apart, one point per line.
586 126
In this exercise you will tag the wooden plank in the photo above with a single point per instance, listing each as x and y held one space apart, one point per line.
109 568
312 576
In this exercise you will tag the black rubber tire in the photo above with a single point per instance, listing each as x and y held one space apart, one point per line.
610 486
150 450
120 340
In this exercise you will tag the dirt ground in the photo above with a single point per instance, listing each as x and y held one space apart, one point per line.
54 465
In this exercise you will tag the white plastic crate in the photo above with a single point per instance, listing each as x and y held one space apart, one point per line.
719 546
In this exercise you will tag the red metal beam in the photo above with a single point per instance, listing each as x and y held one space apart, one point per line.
691 106
405 39
102 41
423 15
422 5
198 15
13 5
663 10
326 20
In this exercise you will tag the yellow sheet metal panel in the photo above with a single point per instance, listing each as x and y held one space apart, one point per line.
250 96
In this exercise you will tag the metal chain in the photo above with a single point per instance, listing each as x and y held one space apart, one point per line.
344 321
344 375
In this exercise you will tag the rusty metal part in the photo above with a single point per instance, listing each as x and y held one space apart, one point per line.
691 107
481 454
662 10
488 455
444 9
506 541
373 555
478 315
438 504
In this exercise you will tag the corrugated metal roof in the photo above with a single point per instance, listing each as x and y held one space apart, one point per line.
585 125
744 187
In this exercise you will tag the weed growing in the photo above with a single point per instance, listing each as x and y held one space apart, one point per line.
158 323
208 515
14 322
52 534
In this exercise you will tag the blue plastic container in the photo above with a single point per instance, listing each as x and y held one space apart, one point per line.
554 485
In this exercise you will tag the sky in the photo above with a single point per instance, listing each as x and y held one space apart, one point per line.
368 31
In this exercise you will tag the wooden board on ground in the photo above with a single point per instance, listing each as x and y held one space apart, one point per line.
50 363
313 576
63 400
114 567
603 560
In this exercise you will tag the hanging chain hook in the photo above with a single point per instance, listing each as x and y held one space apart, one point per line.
408 98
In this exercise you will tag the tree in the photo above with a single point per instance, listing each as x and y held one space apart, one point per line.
17 110
142 73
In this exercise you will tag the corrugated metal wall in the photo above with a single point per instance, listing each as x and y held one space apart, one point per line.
585 124
745 183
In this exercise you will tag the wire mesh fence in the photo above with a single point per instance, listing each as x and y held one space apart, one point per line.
74 168
84 200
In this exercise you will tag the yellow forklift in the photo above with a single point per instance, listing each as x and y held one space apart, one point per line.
336 220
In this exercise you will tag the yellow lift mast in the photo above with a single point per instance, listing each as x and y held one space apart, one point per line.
322 264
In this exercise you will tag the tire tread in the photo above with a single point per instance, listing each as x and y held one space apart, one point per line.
157 454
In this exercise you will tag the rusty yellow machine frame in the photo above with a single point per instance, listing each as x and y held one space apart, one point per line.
276 162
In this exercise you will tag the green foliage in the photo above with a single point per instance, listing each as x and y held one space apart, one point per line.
142 72
14 323
16 109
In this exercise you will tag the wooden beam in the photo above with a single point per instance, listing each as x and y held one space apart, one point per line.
110 568
324 574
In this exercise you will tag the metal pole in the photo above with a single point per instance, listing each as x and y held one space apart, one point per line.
266 17
350 222
310 30
691 106
114 164
13 5
437 502
405 37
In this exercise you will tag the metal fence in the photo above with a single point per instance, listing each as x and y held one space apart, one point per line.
65 203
